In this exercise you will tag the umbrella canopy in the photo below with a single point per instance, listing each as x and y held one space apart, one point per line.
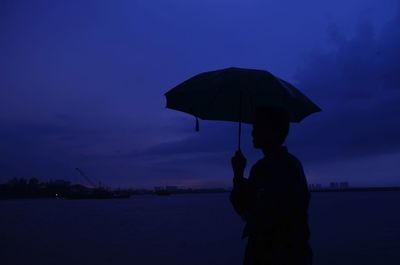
233 94
217 95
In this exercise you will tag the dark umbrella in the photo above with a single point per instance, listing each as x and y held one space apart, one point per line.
233 94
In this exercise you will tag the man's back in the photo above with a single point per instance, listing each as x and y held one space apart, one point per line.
274 203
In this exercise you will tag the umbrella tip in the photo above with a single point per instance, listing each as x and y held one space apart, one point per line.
197 125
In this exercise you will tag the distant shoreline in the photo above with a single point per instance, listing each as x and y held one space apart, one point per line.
205 191
61 189
364 189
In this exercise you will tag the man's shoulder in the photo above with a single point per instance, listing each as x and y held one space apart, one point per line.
295 161
289 165
284 158
284 161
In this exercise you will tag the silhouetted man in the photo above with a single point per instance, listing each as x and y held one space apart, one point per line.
274 200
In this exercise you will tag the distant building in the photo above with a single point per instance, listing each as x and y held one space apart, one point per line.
172 188
339 185
158 188
334 185
168 188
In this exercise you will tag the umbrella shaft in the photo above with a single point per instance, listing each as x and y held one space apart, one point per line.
240 119
239 133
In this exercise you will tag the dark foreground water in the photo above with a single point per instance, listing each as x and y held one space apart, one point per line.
347 228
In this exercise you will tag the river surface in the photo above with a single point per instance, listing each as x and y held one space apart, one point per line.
347 228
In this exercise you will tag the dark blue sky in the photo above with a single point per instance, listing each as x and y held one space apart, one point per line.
82 84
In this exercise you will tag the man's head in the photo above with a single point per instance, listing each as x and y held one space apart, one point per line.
270 127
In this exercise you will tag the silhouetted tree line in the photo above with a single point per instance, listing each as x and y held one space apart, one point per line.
33 188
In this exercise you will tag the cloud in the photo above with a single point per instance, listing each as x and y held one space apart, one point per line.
210 139
358 86
85 88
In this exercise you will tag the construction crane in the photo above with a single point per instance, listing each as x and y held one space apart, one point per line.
86 178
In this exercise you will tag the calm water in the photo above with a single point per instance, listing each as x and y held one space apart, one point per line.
347 228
